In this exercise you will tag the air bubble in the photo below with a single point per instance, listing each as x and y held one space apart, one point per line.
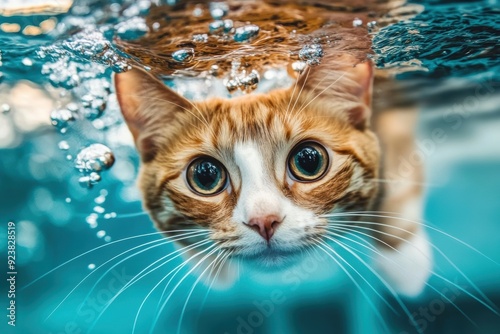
200 38
27 62
228 25
183 55
216 26
92 220
60 118
245 33
101 233
311 54
298 66
198 11
107 238
63 145
91 266
99 209
5 108
215 70
68 200
357 22
100 199
218 10
250 82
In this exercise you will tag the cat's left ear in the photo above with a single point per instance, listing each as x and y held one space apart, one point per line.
342 80
149 108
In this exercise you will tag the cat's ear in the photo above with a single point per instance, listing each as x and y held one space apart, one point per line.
342 80
148 107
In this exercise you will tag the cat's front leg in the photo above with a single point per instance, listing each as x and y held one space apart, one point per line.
404 255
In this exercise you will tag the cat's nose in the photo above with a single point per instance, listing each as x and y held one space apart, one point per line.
265 225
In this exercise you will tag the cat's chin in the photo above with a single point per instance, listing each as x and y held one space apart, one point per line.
272 258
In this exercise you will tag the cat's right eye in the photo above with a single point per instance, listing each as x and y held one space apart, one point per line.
206 176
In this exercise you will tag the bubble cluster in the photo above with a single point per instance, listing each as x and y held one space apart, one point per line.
132 28
311 54
243 81
61 118
94 97
91 161
62 73
91 44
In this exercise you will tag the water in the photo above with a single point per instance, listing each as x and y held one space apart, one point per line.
68 166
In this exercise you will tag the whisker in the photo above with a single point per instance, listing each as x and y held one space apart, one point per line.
377 313
192 289
361 276
374 249
179 283
287 115
138 276
491 307
97 248
369 214
157 284
324 90
387 285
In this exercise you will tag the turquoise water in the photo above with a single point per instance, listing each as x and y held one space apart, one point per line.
448 60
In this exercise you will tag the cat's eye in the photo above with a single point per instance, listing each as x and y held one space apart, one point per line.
308 161
206 176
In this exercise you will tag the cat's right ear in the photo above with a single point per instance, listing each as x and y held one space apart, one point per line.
148 107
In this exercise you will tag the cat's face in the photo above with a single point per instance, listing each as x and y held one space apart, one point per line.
258 171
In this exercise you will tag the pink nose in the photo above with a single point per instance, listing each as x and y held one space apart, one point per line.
265 225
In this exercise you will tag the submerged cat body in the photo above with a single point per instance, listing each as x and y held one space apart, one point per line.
265 173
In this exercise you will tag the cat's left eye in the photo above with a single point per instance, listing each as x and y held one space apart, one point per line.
206 176
308 161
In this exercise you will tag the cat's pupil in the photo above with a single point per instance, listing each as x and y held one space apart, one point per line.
308 160
207 175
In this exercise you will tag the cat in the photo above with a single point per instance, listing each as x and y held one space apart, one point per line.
270 174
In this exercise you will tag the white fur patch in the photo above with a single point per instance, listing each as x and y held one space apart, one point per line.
260 196
407 269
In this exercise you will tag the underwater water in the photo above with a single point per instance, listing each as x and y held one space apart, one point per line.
68 167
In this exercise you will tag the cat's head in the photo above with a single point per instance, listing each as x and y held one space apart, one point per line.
259 171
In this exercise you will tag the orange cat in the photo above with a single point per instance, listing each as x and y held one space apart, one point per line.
271 174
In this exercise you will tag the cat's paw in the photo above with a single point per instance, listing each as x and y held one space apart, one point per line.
407 268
